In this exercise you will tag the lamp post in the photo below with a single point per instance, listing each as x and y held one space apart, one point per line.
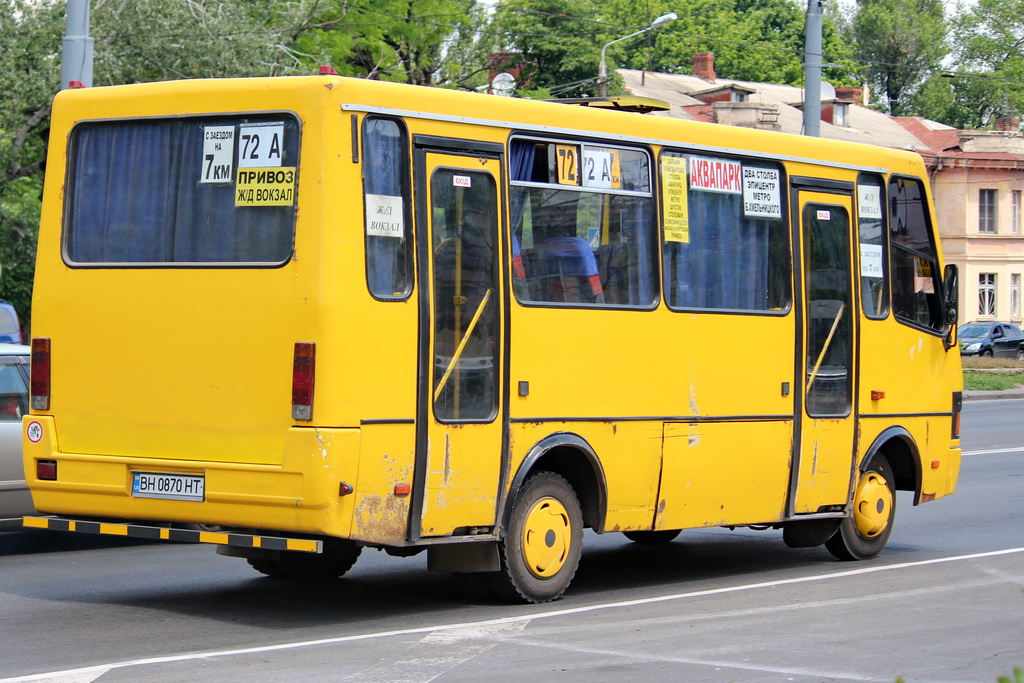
603 69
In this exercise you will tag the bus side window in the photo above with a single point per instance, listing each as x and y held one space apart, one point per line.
724 249
386 202
874 271
582 238
915 265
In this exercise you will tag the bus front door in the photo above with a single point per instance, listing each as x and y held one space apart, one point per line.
823 462
459 431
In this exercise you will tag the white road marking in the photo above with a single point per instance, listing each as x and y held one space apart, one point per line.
86 674
438 653
996 451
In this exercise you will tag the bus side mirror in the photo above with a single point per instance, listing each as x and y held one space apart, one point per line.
951 287
950 302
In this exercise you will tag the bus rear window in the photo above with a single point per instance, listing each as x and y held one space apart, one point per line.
185 191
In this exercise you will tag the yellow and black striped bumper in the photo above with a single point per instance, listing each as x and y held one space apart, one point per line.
156 533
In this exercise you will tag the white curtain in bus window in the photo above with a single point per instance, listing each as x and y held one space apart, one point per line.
725 243
583 230
386 202
915 265
871 228
183 191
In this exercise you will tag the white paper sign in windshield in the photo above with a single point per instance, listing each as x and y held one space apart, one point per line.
761 195
260 144
218 154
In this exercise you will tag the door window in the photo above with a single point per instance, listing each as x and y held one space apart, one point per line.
829 314
465 228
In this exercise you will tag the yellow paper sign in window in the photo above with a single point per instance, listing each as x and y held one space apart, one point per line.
567 158
273 186
675 210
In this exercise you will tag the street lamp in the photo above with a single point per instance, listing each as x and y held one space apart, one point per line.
603 69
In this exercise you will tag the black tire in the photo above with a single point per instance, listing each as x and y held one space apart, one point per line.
1020 354
987 353
336 559
652 537
543 542
271 568
865 532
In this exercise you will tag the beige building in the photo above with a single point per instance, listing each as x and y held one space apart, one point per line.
977 177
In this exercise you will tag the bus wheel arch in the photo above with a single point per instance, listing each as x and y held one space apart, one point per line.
571 457
899 449
557 491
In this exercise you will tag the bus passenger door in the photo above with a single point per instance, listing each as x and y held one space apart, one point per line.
826 371
460 411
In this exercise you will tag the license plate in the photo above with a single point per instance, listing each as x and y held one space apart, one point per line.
168 486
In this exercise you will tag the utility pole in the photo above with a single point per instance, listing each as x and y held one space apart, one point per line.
812 69
76 47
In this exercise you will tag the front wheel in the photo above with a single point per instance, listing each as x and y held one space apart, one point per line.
864 534
543 542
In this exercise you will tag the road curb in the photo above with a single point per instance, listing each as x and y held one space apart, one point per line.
991 395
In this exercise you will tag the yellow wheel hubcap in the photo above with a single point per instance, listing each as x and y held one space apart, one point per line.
872 505
547 536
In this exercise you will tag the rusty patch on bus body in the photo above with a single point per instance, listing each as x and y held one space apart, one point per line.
927 497
381 519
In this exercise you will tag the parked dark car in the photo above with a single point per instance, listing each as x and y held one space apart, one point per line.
998 339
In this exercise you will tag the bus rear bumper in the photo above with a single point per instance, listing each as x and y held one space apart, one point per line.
302 493
155 533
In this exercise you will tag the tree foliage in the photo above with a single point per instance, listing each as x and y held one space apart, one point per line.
30 34
558 41
900 42
986 78
752 40
422 42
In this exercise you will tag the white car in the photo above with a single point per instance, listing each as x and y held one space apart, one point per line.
15 499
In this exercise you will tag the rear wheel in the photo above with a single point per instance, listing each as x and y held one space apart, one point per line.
652 537
864 534
336 559
1020 354
543 542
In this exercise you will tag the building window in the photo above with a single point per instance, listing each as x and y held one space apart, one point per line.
987 211
1015 213
987 295
1015 296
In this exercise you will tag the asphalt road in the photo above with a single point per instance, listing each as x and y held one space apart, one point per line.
944 602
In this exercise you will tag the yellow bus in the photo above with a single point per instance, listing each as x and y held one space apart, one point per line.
316 314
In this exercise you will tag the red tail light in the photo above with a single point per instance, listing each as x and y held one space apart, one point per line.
46 470
303 374
40 373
